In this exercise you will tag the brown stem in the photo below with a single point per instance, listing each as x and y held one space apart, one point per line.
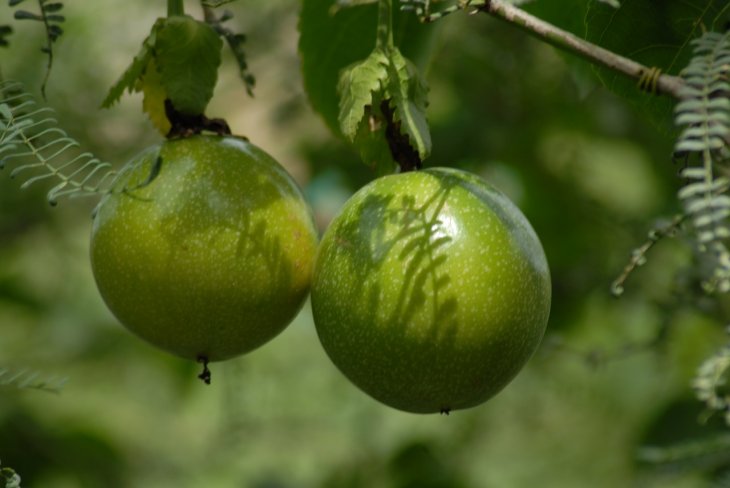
664 84
184 125
205 376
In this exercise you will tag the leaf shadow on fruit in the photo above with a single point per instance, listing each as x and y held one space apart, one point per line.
413 236
221 239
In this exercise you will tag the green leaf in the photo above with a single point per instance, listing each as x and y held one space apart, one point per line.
236 43
153 102
331 40
25 15
351 3
358 83
566 14
371 143
52 7
133 73
188 54
656 34
408 94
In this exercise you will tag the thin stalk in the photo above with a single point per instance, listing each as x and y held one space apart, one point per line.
48 50
666 84
175 7
385 25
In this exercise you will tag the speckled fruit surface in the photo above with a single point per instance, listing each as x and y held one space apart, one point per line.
431 290
205 248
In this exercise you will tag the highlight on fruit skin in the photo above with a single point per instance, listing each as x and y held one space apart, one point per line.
205 248
431 290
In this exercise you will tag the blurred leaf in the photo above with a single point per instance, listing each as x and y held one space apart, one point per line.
235 42
656 34
188 54
351 3
566 14
9 477
32 380
5 31
25 15
44 449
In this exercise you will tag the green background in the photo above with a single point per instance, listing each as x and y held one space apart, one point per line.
589 170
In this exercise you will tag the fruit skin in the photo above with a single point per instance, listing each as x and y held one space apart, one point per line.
431 290
205 248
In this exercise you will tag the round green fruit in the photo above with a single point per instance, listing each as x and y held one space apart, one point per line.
205 248
431 290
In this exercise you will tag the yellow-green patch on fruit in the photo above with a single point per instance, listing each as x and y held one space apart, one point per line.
205 248
431 290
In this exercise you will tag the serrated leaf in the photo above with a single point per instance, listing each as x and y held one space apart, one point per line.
332 40
408 94
188 54
656 34
356 87
371 142
129 79
153 102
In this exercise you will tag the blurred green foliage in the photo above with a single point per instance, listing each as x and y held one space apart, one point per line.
611 380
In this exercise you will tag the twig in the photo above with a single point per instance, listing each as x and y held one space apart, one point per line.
665 84
648 78
638 256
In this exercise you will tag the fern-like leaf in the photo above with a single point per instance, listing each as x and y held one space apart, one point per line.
704 143
9 477
5 31
234 40
710 383
48 15
39 150
32 380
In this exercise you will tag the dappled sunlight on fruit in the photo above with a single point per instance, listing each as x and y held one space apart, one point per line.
430 291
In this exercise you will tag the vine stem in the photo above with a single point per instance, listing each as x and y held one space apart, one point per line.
175 7
666 84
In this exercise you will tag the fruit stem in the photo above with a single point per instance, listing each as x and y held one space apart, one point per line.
385 25
205 376
175 7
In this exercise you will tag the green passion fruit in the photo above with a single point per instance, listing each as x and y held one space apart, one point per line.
431 290
205 247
